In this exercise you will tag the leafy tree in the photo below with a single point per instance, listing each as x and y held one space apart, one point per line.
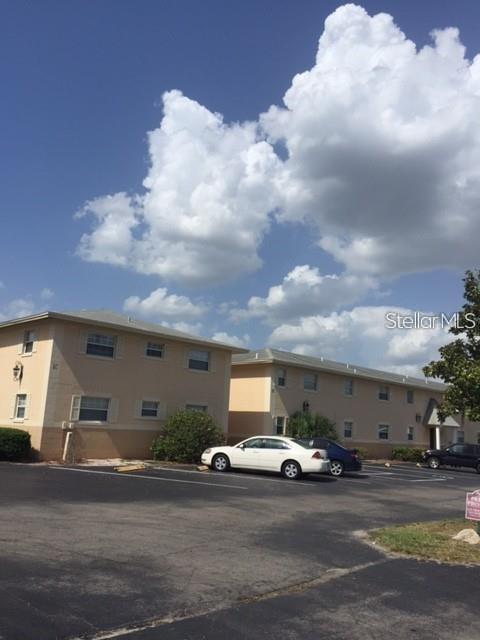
459 364
185 435
307 425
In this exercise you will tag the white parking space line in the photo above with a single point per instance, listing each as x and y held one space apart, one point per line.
243 476
135 475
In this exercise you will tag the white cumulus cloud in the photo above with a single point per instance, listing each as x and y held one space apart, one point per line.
383 147
206 205
238 341
361 336
160 306
305 291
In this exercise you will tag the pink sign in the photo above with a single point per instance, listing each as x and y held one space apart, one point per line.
472 506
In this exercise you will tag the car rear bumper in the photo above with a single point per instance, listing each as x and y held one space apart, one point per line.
316 466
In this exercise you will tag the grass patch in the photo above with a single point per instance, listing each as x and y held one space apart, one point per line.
429 541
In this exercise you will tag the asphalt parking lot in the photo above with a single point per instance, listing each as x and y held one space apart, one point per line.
178 554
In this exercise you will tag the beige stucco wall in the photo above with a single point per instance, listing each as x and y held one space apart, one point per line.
34 379
364 409
127 380
250 393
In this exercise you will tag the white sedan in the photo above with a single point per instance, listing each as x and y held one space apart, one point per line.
268 453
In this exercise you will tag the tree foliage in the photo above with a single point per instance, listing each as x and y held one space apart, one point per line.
307 425
185 435
459 364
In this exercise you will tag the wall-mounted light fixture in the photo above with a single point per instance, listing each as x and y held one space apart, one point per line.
18 371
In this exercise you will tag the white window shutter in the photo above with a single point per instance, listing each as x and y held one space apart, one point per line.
34 338
82 341
113 410
14 406
75 408
27 406
119 347
138 409
212 362
162 411
20 344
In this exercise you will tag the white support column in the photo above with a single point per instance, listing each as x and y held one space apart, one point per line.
437 438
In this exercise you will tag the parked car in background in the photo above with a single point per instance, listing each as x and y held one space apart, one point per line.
341 458
269 453
456 455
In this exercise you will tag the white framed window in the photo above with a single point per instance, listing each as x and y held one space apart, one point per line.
460 436
383 431
348 387
20 412
279 425
155 350
384 392
91 409
281 377
197 407
410 396
149 409
347 429
101 345
29 339
418 418
199 360
310 381
410 433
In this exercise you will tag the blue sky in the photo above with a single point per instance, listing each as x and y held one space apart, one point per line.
82 87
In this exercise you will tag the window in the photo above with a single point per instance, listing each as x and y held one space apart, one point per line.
383 431
154 350
310 381
28 342
418 418
254 443
199 360
410 396
280 425
460 437
348 387
93 409
347 428
149 409
281 379
271 443
101 345
20 406
410 433
384 392
196 407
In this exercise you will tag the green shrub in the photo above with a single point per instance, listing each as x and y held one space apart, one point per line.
14 444
185 436
407 454
362 452
307 425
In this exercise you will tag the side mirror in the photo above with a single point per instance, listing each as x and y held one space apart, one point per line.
242 447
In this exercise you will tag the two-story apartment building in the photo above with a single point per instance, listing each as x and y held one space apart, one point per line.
105 382
376 410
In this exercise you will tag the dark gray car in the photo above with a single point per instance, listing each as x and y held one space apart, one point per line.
456 455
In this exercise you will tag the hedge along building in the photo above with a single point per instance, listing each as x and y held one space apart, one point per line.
376 410
104 382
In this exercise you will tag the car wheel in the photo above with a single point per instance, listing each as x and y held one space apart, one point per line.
433 462
221 462
291 470
336 468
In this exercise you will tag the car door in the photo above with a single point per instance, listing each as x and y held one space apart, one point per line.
248 454
274 454
454 455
